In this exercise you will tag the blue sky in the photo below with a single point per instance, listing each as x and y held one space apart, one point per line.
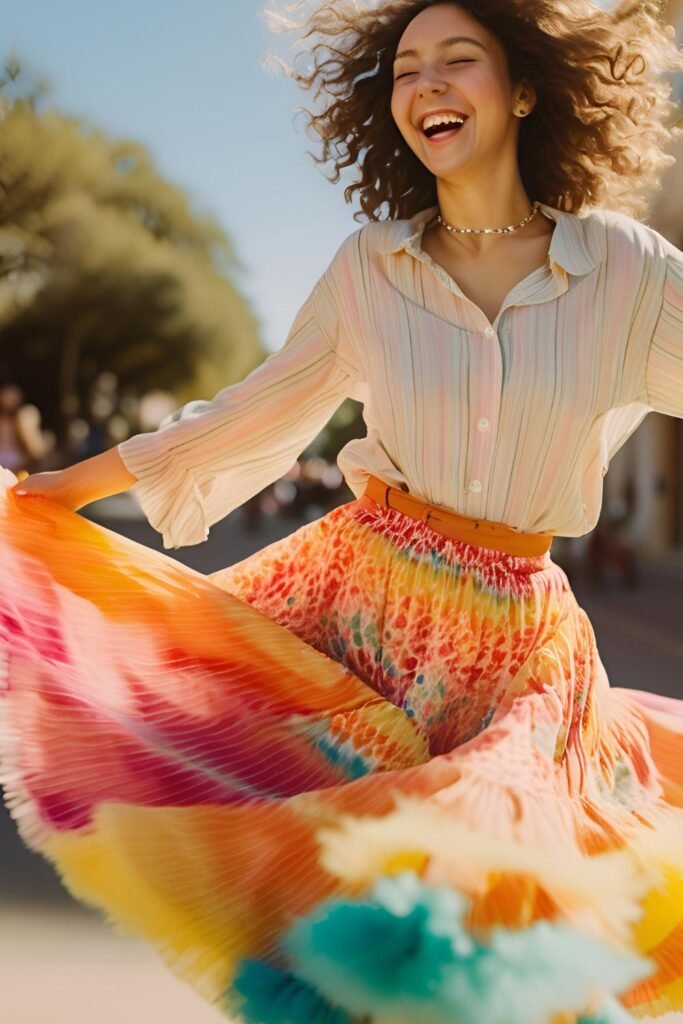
185 80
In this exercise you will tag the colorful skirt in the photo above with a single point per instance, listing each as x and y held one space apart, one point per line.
367 774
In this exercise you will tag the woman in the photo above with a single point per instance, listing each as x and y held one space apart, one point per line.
376 771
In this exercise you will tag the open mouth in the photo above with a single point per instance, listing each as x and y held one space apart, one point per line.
443 132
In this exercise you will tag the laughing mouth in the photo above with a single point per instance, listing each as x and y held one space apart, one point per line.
443 131
446 123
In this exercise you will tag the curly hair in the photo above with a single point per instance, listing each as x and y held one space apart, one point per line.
595 138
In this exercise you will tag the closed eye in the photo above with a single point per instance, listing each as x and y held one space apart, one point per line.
466 60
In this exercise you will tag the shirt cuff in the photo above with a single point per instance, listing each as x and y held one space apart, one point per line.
167 493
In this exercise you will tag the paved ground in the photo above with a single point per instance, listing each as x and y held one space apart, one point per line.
64 967
60 965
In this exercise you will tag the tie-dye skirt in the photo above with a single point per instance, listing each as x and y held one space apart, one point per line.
367 774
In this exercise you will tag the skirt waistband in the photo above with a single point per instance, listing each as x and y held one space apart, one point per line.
483 532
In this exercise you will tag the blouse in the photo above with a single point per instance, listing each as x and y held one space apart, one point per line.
514 421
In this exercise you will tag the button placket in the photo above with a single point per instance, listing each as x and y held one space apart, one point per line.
486 370
486 375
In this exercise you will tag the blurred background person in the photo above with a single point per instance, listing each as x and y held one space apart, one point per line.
24 446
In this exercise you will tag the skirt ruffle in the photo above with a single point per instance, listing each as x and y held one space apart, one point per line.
242 777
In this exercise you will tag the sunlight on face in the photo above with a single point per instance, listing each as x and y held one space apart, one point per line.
469 76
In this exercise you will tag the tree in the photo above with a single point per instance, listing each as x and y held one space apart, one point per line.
105 266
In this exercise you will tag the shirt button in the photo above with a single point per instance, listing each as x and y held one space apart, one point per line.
475 485
483 424
404 486
489 332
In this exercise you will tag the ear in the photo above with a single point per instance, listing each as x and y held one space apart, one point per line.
525 94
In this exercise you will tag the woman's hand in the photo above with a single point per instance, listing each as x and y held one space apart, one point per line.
58 485
82 483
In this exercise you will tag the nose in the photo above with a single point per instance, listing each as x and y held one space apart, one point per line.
427 81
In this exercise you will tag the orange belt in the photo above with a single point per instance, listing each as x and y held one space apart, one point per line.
483 532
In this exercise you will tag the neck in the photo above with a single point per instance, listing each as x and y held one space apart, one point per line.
469 209
482 208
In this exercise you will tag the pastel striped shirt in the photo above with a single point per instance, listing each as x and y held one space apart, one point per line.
514 421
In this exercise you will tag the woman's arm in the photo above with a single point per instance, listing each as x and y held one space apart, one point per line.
210 456
86 481
664 376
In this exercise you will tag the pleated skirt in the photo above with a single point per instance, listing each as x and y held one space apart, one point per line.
366 775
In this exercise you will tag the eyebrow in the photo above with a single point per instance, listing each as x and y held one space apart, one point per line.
442 46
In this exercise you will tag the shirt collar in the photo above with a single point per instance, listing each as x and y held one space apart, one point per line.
568 246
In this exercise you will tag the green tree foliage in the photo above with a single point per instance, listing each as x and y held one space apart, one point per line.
104 265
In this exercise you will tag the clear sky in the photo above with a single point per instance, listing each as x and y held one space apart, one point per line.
184 79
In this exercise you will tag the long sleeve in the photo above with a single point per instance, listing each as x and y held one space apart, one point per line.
209 457
664 377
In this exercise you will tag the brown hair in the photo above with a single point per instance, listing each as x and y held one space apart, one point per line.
595 138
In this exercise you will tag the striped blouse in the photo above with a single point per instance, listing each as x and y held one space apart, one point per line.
514 421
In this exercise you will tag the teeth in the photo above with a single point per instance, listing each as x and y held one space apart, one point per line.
434 119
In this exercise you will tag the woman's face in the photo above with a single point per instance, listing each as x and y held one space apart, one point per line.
468 77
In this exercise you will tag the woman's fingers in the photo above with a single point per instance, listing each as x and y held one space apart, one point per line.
54 484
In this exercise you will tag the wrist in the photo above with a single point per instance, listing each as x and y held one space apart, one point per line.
99 476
